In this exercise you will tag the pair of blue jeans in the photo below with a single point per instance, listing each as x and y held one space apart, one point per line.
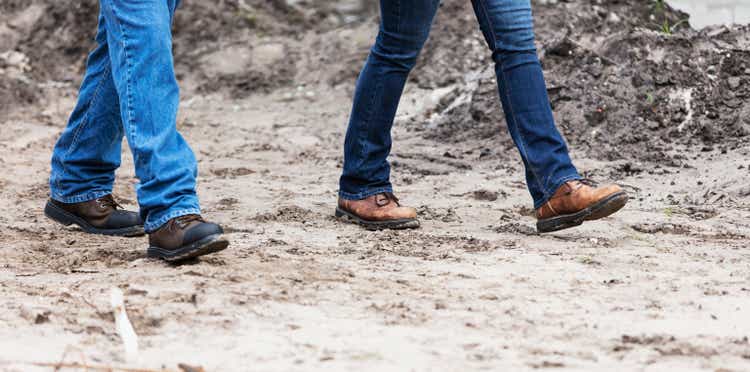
507 26
130 90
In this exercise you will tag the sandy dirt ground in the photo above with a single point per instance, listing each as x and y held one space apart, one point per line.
663 285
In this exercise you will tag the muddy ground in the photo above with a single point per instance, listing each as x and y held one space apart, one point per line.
663 285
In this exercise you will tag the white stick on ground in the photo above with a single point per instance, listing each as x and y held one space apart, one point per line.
123 325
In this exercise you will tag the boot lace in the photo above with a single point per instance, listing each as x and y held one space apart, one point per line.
108 202
389 197
183 221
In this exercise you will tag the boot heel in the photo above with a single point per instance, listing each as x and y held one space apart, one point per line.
54 213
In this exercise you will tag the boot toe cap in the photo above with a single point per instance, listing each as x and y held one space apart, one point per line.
202 231
124 219
409 212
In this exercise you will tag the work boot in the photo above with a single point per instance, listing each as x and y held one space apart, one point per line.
578 201
186 237
99 216
377 212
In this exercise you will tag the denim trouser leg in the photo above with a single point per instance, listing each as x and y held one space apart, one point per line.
404 28
508 28
87 153
136 45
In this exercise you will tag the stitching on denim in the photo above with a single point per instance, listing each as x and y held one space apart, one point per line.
82 126
491 29
398 17
152 226
363 195
80 197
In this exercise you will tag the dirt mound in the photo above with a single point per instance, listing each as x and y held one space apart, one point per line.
238 47
625 79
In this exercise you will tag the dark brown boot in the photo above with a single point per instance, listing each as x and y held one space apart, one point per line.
186 237
98 216
381 211
577 201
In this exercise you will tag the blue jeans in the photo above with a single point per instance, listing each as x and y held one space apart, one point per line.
129 89
405 25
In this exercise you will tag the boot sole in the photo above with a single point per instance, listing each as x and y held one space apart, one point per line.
210 244
66 218
601 209
400 224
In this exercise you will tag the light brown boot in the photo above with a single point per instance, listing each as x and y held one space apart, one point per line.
377 212
577 201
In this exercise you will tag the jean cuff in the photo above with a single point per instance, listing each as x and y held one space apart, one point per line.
365 194
556 185
91 195
151 226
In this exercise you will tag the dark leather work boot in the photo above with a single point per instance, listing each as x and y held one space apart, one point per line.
186 237
99 216
578 201
377 212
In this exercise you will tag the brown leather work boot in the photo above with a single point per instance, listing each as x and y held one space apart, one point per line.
377 212
186 237
577 201
99 216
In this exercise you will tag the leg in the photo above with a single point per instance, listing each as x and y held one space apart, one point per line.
139 36
508 28
404 29
560 199
88 152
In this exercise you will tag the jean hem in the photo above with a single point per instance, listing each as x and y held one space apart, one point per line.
80 198
151 226
556 185
364 194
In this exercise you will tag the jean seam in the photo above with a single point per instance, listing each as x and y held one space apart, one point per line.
153 226
398 16
80 198
366 194
491 31
82 126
